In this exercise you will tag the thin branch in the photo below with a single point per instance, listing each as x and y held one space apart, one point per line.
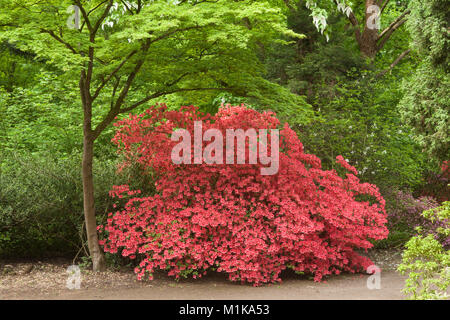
289 5
131 77
393 24
126 6
102 18
393 64
156 95
389 34
114 111
355 23
97 92
8 25
84 14
55 36
384 6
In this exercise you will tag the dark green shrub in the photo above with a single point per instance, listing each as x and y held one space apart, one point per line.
41 203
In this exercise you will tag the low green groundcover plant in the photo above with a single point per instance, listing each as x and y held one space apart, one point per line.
427 260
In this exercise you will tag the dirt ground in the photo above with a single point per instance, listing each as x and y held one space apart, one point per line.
47 280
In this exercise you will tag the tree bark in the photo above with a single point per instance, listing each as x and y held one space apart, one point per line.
368 40
98 260
97 257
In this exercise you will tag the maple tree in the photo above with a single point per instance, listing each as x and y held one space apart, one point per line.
124 54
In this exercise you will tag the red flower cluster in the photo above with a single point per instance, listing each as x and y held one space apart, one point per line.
232 219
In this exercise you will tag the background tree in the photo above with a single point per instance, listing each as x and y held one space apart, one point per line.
425 105
366 17
371 14
356 110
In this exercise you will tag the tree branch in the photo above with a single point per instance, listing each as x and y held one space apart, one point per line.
156 95
113 113
389 33
384 6
84 14
393 24
57 38
393 64
102 18
104 82
355 23
96 7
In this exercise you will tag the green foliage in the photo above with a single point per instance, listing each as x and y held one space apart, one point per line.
425 105
41 117
289 107
182 46
427 262
428 25
15 67
41 203
235 52
356 111
360 121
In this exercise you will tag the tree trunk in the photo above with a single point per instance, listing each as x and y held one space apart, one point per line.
98 260
369 36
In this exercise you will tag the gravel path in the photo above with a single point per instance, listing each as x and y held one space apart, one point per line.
47 280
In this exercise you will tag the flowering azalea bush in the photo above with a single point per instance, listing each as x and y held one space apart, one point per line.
229 217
